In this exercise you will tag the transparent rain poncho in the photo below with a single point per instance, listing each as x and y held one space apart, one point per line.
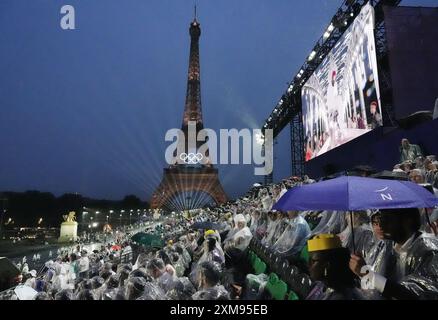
178 264
167 281
321 292
255 285
270 231
363 235
183 290
261 227
142 272
255 218
65 294
275 234
332 222
217 292
417 267
293 238
135 288
241 237
97 283
85 294
152 291
113 294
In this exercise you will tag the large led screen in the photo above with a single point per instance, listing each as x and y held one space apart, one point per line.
340 100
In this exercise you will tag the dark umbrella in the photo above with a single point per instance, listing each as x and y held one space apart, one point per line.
147 239
206 225
391 175
351 193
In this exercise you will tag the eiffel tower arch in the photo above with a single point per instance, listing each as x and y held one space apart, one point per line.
193 177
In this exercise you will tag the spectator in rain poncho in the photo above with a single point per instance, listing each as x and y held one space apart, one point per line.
31 280
97 285
152 291
266 199
191 243
409 151
184 255
262 226
273 221
164 275
50 271
183 290
278 231
416 259
380 257
294 237
84 265
141 261
135 288
65 294
208 283
363 234
255 218
111 289
85 294
329 269
177 263
242 237
212 251
330 222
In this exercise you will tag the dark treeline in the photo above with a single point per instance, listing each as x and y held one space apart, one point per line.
25 208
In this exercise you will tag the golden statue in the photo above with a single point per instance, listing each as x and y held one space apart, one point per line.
71 217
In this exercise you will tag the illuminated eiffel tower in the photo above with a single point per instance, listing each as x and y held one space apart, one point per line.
194 179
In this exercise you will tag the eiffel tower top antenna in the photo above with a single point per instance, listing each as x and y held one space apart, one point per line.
195 13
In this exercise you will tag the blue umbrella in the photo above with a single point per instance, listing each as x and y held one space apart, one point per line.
356 193
349 193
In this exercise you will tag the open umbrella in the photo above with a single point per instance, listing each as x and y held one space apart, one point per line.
356 193
349 193
147 239
116 247
206 225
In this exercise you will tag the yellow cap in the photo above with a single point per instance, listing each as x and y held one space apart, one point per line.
209 233
170 242
323 242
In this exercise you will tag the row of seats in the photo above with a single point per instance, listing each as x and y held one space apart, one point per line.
263 260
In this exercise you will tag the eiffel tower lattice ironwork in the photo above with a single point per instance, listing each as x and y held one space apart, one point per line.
184 178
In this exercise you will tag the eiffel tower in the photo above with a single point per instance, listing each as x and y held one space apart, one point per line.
194 177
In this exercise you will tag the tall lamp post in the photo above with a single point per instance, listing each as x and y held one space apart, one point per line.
84 213
2 214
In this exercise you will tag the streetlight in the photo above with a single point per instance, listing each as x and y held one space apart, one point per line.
107 218
130 215
110 212
83 216
121 218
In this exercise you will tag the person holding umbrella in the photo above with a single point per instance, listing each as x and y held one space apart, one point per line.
328 267
416 259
